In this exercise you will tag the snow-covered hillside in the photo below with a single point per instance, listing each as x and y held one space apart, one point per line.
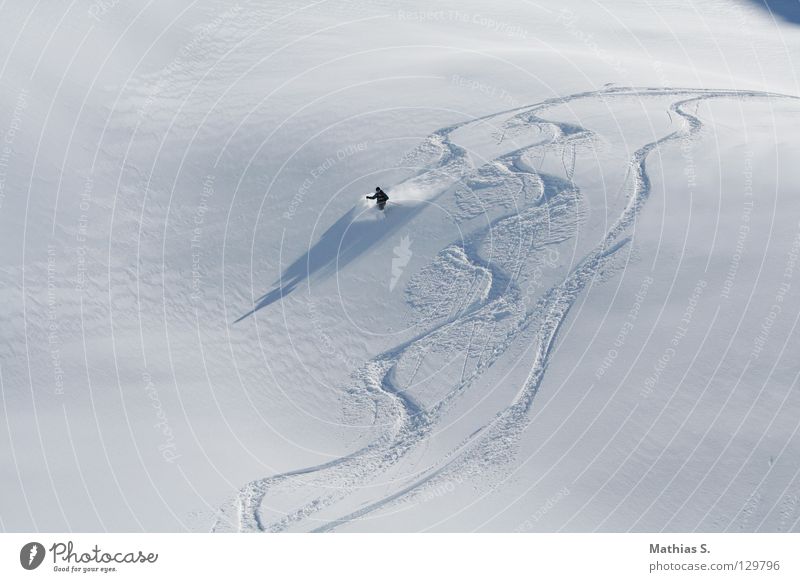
578 311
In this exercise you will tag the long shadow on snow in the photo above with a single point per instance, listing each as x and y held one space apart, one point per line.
346 240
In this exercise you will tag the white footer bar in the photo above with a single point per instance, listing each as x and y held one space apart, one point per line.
388 557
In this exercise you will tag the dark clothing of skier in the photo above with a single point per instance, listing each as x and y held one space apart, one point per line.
379 197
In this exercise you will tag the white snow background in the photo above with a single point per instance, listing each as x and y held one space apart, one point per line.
578 313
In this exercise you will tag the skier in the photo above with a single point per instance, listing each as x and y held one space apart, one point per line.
379 197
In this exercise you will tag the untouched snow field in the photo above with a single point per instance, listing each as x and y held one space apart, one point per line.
578 313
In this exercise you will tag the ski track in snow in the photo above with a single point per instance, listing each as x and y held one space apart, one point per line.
487 301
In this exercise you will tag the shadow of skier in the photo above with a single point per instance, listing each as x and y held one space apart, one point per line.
347 239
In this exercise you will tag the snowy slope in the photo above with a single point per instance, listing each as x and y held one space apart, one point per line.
577 312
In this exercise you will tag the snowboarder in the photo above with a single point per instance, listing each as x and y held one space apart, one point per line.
379 197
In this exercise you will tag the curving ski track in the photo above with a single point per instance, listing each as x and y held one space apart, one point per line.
493 296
